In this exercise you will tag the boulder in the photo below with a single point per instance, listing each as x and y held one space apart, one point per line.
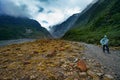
82 65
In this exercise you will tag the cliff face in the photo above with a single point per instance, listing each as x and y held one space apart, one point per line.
60 29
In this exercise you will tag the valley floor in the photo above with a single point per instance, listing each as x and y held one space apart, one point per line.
57 60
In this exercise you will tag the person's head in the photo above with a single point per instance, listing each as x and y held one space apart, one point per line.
105 36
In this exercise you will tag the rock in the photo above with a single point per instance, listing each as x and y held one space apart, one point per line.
3 67
35 52
98 65
82 65
43 50
19 55
6 78
71 59
5 54
51 53
25 78
59 76
93 75
75 60
33 77
8 50
84 58
12 65
51 78
108 77
76 79
69 78
83 74
26 62
5 60
62 49
75 74
100 74
17 49
69 74
67 46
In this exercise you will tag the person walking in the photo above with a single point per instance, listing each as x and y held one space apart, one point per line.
104 42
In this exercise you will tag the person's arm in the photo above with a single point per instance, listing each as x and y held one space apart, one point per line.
101 41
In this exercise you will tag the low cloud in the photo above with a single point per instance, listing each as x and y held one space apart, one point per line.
46 12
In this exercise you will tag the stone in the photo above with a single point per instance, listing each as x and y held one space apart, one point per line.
62 49
17 48
25 78
33 76
84 58
69 78
35 52
93 75
75 74
67 46
76 79
98 65
12 65
59 76
83 74
19 55
82 65
26 62
51 53
75 60
100 74
108 77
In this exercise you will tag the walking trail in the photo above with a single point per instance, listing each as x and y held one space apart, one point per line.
110 61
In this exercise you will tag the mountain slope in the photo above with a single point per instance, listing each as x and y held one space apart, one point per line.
102 18
59 30
15 28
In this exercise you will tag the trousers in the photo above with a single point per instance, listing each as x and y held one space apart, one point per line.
105 47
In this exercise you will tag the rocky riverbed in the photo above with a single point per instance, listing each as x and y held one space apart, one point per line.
49 60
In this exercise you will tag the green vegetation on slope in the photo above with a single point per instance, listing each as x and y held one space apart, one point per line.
104 19
15 28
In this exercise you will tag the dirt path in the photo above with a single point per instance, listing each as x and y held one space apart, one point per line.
110 61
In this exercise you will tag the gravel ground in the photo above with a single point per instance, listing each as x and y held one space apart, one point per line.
110 61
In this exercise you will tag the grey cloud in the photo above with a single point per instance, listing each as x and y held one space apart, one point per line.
44 11
50 11
41 9
45 22
9 8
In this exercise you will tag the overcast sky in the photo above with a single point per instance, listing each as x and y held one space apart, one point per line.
46 12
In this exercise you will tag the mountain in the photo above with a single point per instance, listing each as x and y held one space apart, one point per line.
100 19
16 28
59 30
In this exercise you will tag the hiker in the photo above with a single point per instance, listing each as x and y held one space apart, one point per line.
104 42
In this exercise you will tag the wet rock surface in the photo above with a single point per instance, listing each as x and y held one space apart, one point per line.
49 60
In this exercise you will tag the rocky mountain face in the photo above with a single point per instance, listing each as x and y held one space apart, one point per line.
59 30
16 28
103 17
